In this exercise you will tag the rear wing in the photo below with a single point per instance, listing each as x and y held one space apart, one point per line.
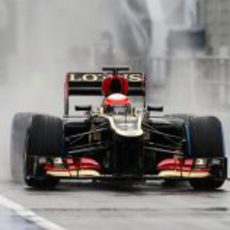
90 84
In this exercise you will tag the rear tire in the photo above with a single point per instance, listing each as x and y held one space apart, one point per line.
206 141
44 138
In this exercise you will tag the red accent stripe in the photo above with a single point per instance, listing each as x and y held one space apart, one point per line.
180 165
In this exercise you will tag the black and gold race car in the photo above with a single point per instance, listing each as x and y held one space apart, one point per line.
116 141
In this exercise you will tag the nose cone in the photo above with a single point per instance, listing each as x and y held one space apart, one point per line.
128 126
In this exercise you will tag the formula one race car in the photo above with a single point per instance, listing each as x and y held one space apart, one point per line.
116 141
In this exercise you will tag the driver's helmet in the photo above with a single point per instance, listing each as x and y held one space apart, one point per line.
117 103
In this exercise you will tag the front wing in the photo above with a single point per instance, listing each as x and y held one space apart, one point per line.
86 168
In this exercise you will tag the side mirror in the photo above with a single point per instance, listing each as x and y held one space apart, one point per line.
155 108
83 108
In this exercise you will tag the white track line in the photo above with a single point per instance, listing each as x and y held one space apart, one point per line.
29 215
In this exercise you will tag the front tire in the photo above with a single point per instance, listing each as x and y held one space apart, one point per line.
44 139
44 183
206 141
206 184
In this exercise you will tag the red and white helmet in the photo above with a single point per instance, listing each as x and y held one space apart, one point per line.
116 99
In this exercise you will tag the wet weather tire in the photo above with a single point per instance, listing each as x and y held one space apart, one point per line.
44 138
206 137
206 184
19 127
44 183
206 141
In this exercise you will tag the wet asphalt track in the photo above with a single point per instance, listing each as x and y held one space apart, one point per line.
153 206
10 220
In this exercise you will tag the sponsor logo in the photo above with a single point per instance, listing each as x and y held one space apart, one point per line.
94 77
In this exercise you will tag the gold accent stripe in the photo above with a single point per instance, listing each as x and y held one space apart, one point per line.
73 173
174 173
